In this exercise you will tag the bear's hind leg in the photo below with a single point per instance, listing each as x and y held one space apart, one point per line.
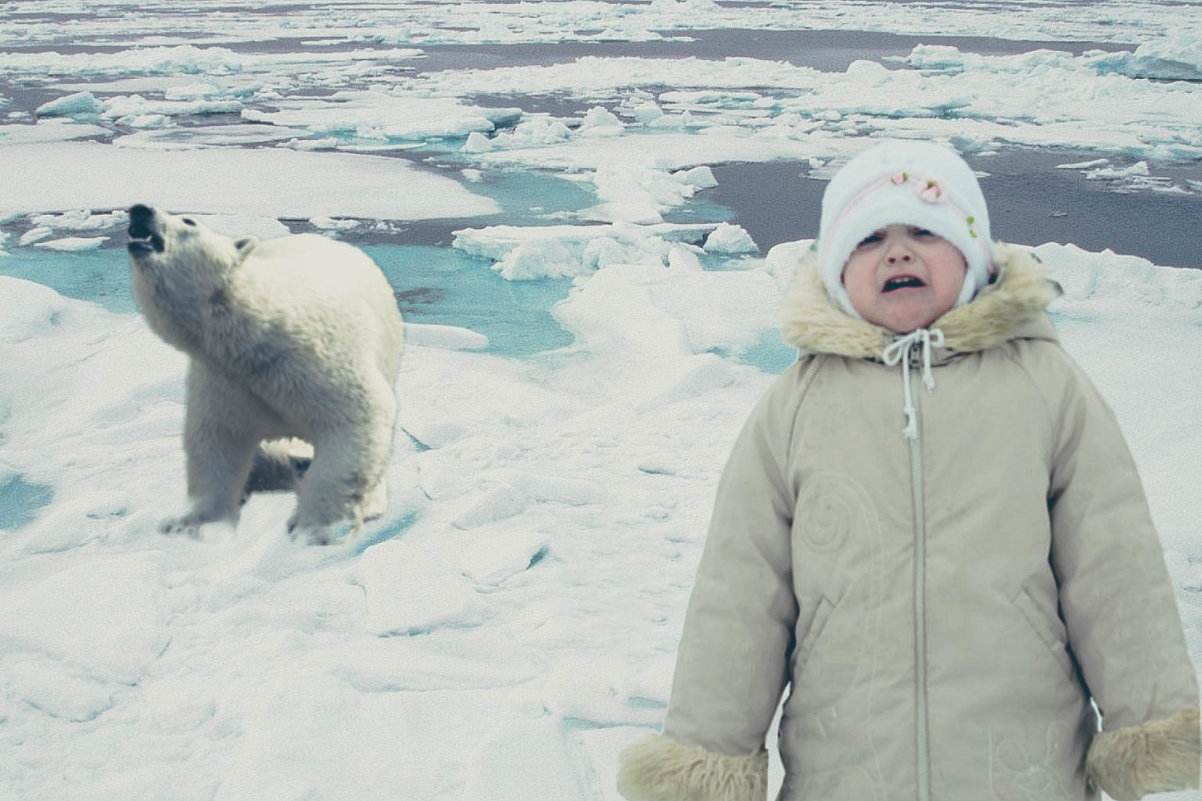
375 502
345 483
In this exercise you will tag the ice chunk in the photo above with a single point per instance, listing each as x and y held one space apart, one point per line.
700 177
1139 168
599 121
499 556
194 90
639 194
31 310
1118 281
79 220
448 337
647 113
48 130
537 132
546 258
411 590
539 747
77 104
383 115
567 250
684 257
35 234
477 142
302 734
57 689
936 57
105 616
727 238
130 109
603 689
782 260
521 491
1176 56
73 243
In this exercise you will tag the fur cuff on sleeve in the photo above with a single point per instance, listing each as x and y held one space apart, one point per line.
657 768
1154 757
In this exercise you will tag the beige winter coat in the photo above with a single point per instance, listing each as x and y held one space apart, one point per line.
943 608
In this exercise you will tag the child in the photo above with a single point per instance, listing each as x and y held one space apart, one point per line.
949 576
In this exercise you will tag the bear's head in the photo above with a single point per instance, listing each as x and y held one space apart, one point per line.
180 269
159 241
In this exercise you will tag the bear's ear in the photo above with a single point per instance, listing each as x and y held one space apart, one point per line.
246 244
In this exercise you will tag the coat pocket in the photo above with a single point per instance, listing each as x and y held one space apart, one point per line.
829 660
806 647
1046 624
827 711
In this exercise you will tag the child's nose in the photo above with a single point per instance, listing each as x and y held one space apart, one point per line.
898 253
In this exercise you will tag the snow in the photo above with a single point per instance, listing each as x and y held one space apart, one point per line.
409 590
53 617
73 243
511 622
444 336
73 175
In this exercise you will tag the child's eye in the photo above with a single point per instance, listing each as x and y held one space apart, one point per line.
921 232
871 239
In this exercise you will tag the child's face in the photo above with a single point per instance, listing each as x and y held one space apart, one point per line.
904 278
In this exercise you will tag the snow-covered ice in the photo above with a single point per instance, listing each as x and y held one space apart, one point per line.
73 175
511 622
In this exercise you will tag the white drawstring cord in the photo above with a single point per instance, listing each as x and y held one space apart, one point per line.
899 351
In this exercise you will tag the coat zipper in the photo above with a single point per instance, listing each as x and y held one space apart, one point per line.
921 728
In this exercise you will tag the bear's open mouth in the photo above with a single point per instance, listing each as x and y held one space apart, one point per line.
142 241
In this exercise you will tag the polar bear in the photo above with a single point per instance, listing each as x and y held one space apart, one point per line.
295 337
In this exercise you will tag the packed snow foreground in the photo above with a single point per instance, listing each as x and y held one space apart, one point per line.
510 623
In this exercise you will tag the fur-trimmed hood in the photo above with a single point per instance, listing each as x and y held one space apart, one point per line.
1012 306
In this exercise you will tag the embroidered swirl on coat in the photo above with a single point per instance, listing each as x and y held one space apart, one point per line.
831 507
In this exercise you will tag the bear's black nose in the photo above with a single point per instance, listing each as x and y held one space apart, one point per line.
143 238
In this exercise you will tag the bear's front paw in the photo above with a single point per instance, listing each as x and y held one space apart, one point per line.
187 525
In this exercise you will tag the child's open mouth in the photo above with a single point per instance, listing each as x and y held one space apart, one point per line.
902 282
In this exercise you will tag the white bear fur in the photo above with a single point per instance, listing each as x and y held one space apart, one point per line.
298 336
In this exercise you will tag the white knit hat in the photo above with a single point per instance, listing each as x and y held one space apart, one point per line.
906 183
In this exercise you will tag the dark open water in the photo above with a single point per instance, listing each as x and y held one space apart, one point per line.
1030 202
829 51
